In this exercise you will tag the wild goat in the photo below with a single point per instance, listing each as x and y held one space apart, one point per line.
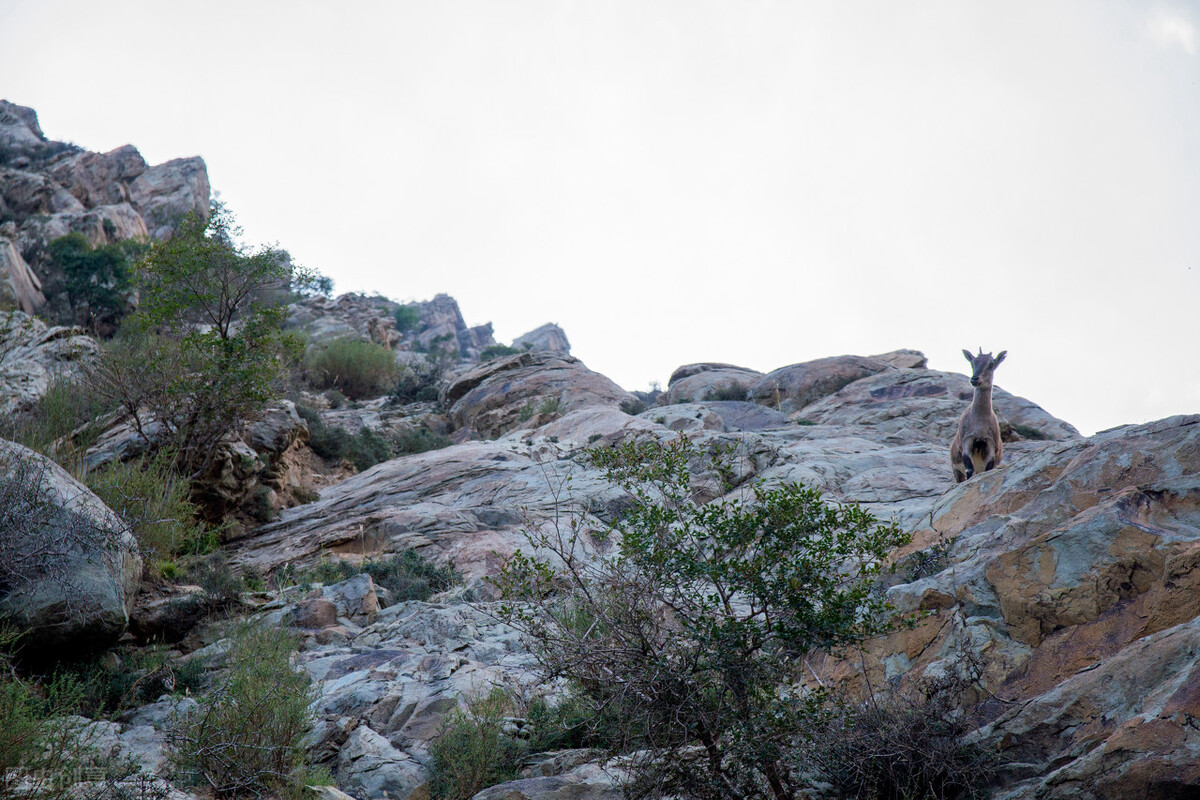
976 446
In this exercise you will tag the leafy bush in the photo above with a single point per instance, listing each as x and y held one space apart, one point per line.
550 405
128 678
420 440
358 368
205 352
364 449
472 750
153 502
98 281
407 318
633 407
732 391
574 722
497 351
419 382
705 611
246 736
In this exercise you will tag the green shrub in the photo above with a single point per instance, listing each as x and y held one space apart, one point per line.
205 352
40 752
574 722
497 351
364 449
633 407
127 678
703 614
154 502
550 405
407 317
358 368
246 736
733 391
1027 432
68 406
420 440
472 751
97 281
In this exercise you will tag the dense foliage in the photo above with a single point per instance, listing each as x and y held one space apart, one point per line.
98 281
697 624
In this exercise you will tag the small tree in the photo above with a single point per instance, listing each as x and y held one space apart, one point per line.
205 351
97 280
695 627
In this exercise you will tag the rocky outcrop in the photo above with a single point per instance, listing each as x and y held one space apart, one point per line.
49 189
442 325
548 337
33 354
72 567
709 381
924 404
794 387
529 389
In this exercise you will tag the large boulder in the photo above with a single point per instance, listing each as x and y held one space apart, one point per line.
99 179
33 354
548 337
71 567
709 381
165 193
1071 575
793 387
924 404
502 394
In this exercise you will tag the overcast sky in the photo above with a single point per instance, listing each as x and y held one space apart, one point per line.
760 183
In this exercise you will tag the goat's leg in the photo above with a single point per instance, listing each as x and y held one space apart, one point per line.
991 456
968 461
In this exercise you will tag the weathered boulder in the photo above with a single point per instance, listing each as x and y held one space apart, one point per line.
33 354
442 325
924 404
165 193
19 286
21 137
791 388
709 381
99 179
355 316
71 567
500 395
1071 573
28 193
548 337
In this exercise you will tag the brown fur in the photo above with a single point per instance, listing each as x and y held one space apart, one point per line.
977 446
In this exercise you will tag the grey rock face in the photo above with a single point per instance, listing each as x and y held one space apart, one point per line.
547 337
166 193
32 354
696 382
76 568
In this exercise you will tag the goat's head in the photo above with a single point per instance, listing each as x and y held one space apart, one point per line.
982 366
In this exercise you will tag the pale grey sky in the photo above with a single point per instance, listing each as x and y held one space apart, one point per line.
755 182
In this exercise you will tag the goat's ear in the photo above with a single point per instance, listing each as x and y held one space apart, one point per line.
970 357
1000 357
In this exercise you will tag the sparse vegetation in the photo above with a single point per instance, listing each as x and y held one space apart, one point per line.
735 390
1028 432
364 449
633 407
498 351
406 575
357 368
472 750
69 406
153 501
246 736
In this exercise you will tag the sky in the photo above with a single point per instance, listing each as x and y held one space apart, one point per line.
753 182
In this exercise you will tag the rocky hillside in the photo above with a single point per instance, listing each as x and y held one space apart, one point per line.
1069 575
49 189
